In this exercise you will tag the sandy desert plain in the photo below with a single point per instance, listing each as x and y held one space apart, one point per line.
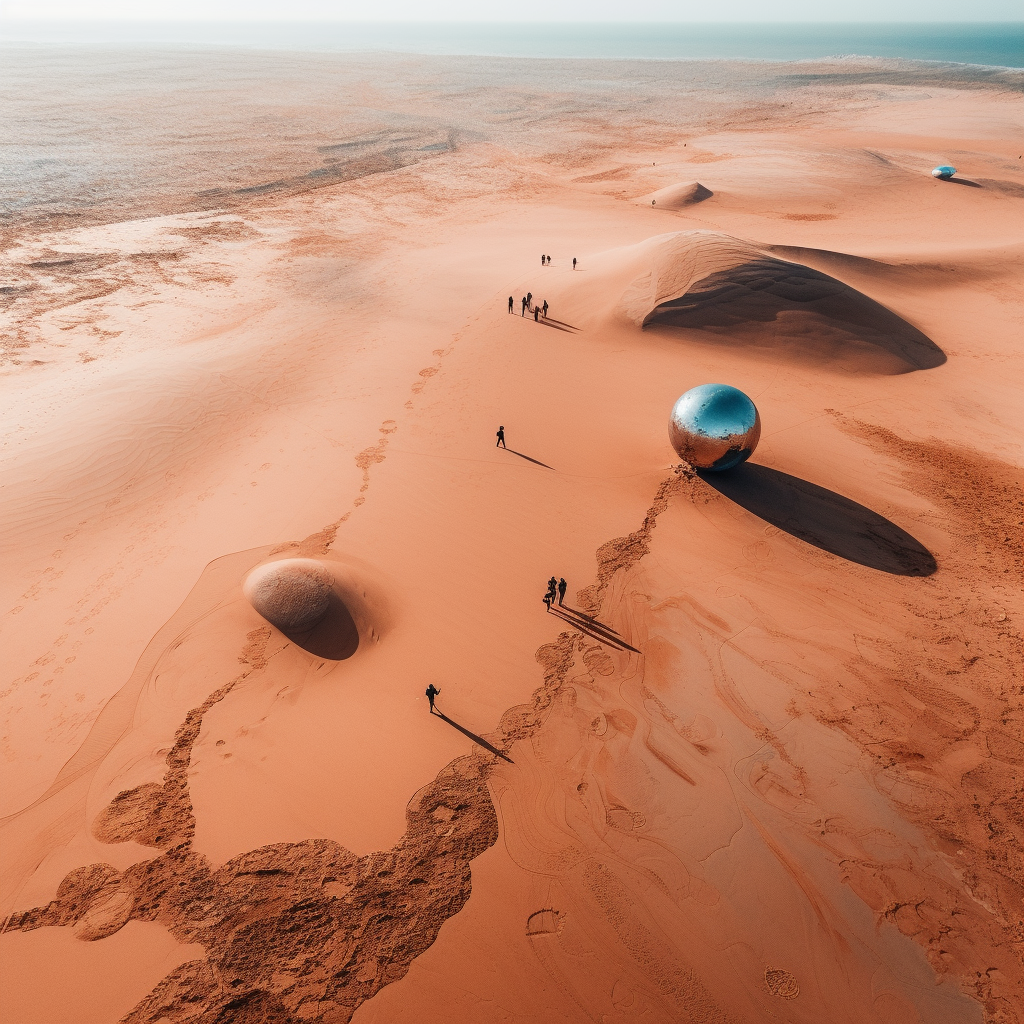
769 766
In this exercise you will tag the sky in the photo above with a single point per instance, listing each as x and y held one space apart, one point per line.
530 10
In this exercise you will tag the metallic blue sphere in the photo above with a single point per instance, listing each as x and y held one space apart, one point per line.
714 426
945 172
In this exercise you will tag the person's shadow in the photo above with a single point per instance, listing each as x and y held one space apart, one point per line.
592 627
823 518
536 462
438 713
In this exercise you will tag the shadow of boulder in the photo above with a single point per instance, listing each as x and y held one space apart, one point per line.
335 636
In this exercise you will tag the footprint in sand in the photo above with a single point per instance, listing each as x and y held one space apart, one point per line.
781 983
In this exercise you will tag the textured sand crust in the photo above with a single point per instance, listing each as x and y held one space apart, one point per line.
762 764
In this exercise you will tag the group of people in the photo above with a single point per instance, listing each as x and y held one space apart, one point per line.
556 592
527 304
556 588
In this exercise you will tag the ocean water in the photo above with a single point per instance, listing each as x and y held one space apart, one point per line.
991 44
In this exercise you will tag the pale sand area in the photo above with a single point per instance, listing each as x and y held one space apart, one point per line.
776 778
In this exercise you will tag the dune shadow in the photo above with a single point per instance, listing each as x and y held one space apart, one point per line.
536 462
334 637
438 713
814 311
824 519
963 181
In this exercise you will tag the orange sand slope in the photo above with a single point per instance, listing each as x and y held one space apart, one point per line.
763 764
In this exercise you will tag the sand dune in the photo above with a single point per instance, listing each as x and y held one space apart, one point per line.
745 295
808 310
763 761
677 197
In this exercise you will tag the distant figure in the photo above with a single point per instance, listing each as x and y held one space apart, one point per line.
543 260
529 298
574 263
545 308
553 588
547 600
523 313
510 304
536 313
432 692
501 437
562 587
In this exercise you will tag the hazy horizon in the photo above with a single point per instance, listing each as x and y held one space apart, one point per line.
578 12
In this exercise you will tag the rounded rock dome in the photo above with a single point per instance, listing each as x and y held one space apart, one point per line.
714 426
293 593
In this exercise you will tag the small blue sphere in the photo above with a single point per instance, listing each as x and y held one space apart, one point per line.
944 171
714 426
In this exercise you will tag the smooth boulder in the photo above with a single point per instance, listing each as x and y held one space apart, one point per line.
292 594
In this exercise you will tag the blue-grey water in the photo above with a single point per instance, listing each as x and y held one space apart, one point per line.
993 44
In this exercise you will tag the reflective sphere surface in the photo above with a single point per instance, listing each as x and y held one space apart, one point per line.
944 171
714 426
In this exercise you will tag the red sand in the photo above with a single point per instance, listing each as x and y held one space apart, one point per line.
784 786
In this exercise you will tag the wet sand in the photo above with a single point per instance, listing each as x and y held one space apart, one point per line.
766 763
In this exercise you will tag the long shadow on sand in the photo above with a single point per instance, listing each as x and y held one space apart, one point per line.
536 462
594 629
559 325
823 518
438 713
813 311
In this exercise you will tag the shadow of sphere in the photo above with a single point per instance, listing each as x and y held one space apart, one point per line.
824 519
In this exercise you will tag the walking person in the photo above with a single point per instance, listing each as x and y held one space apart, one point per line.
536 314
529 300
545 308
562 587
574 263
547 601
543 260
553 588
501 438
523 313
511 304
432 692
